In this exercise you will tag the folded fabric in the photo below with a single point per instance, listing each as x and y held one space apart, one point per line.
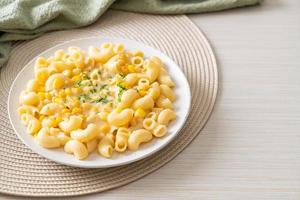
27 19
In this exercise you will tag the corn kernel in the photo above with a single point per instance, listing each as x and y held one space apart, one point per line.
58 83
105 128
42 95
68 73
103 115
42 75
21 111
41 89
131 68
76 110
76 78
68 91
119 109
57 100
140 113
42 117
41 61
58 119
124 69
142 92
65 110
76 103
53 123
76 90
86 106
62 94
48 95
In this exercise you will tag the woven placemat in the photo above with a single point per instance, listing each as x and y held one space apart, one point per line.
23 172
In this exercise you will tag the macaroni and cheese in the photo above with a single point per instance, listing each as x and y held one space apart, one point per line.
107 99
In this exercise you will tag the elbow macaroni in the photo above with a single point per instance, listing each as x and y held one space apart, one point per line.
122 139
77 148
72 124
107 99
92 145
105 147
163 102
152 70
120 118
46 140
145 103
29 98
166 116
128 98
86 135
138 137
167 92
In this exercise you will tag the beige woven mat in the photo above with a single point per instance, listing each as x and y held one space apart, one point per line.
23 172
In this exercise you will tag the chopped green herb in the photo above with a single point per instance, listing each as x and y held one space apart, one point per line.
82 83
78 84
121 86
103 86
121 91
83 98
86 83
93 90
101 100
85 76
122 75
120 95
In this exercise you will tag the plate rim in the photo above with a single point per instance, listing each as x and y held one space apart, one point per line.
143 156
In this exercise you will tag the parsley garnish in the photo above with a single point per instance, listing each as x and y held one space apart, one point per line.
121 86
122 75
101 100
83 98
120 95
121 91
78 84
93 90
103 86
85 76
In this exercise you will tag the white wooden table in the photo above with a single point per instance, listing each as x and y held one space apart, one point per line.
250 148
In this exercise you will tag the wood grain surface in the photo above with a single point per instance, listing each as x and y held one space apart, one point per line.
250 147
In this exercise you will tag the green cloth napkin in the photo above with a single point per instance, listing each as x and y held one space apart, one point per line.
27 19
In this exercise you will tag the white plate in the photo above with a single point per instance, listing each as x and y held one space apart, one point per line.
182 106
